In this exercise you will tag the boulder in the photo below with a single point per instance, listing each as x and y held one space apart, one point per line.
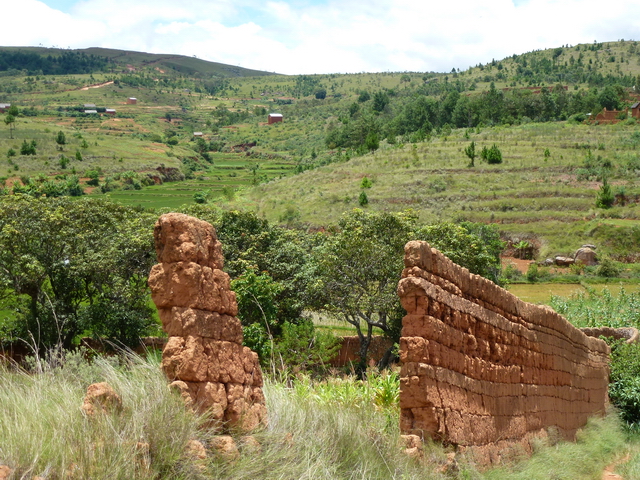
586 256
225 446
101 398
563 261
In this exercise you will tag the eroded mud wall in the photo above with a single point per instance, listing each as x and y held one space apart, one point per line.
204 356
482 368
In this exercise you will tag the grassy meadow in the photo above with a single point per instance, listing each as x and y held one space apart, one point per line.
337 428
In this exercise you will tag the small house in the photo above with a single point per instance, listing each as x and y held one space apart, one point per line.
197 134
635 110
89 112
275 118
4 107
89 106
110 111
132 101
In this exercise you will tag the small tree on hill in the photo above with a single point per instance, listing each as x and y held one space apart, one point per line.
470 152
491 155
605 196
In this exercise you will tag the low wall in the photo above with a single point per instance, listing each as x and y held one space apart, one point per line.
483 369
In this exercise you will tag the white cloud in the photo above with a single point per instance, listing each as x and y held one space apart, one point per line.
334 36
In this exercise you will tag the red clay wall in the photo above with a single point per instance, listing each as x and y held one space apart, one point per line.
483 369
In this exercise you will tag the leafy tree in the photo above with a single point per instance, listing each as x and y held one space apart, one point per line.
357 265
321 93
28 148
470 152
363 200
366 182
372 142
67 267
61 138
380 101
356 271
10 121
78 155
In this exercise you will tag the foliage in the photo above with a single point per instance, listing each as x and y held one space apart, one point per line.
363 200
474 246
61 138
470 151
28 148
68 267
301 347
624 381
608 268
366 182
605 196
491 155
356 270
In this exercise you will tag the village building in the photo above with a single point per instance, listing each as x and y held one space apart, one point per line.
197 134
89 105
89 112
275 118
635 110
110 111
4 107
132 101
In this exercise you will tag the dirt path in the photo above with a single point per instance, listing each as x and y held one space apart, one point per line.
609 474
97 85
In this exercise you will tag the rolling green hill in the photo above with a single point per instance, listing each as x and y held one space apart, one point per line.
120 61
405 131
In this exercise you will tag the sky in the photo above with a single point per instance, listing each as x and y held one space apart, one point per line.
322 36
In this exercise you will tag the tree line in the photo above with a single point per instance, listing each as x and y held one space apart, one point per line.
73 268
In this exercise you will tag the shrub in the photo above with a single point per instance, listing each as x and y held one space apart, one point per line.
366 182
608 268
363 200
491 155
605 196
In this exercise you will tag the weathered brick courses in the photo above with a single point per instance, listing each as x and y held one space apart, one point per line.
483 369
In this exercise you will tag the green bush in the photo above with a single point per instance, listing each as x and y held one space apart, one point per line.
624 381
491 155
608 268
363 200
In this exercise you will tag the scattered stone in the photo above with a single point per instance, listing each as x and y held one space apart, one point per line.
413 446
586 256
249 444
101 398
195 449
225 446
5 472
588 245
548 262
204 356
563 261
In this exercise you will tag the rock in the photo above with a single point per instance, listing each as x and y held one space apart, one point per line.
249 444
548 262
588 245
413 446
563 261
101 398
195 449
204 356
225 446
5 472
586 256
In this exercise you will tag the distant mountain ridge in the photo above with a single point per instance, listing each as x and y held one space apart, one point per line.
49 61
